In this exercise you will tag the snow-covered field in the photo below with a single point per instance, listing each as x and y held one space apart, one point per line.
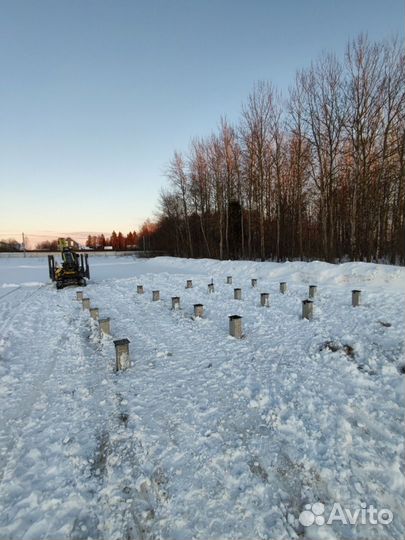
205 436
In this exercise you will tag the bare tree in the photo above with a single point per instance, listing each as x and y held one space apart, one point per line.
178 177
256 133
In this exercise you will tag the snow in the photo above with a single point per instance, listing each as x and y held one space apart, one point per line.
204 436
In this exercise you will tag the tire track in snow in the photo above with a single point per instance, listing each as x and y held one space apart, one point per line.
10 292
45 410
28 385
115 508
129 506
10 312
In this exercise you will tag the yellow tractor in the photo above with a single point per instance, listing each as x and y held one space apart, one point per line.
73 271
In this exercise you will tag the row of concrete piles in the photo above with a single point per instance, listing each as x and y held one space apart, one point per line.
122 358
308 305
235 321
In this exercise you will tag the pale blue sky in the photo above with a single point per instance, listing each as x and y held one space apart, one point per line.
97 94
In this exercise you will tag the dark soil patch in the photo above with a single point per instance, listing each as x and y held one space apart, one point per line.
335 346
124 418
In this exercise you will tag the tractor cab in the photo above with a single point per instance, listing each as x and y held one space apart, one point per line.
69 258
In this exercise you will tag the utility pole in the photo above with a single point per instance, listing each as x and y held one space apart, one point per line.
23 244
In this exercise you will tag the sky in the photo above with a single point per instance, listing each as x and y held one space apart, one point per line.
96 95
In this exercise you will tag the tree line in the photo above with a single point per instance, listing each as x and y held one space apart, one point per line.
9 244
317 174
117 241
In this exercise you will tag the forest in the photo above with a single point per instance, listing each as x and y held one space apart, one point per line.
318 173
